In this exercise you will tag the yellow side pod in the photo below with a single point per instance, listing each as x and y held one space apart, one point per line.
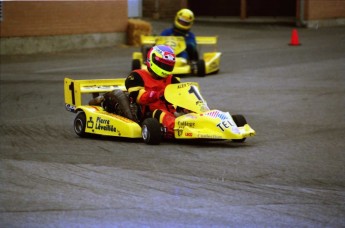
101 122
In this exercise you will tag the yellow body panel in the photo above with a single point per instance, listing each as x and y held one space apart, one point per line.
100 122
177 43
202 122
147 40
138 55
212 61
207 40
213 124
176 94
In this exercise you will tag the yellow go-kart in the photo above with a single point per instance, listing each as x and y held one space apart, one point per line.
194 120
208 64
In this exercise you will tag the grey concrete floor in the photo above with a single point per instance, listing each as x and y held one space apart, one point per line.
290 175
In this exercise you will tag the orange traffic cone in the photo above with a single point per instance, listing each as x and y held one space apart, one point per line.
294 38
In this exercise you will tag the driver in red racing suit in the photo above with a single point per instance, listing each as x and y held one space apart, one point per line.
146 87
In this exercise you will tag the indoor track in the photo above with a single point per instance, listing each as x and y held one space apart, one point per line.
290 175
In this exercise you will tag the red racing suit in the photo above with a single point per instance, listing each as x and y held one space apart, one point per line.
148 92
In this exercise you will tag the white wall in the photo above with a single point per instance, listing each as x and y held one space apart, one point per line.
135 8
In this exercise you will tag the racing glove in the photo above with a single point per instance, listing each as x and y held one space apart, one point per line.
151 96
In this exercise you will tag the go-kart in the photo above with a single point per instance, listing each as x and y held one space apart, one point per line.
195 121
208 64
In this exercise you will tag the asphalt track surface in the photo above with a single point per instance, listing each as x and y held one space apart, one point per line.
290 175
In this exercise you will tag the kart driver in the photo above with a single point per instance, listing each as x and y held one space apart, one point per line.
146 87
182 24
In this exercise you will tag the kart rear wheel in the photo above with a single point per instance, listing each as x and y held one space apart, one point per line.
240 121
151 131
201 68
79 124
136 65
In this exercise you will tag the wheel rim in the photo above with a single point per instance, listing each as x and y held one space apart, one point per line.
145 133
78 126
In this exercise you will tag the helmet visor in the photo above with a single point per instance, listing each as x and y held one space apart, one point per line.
183 22
164 64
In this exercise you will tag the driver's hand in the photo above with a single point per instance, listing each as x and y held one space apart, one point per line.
155 95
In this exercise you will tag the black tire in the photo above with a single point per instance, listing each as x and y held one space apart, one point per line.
124 107
136 65
117 102
201 68
151 131
240 121
80 124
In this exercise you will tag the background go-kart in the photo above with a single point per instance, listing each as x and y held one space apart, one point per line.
291 174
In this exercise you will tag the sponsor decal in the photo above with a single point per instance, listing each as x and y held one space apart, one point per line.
224 124
190 116
208 136
182 124
101 124
171 43
90 123
95 87
199 102
104 125
70 108
186 84
179 132
236 130
226 120
227 124
218 114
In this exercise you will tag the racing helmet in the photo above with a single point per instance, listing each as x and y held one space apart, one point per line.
184 19
161 60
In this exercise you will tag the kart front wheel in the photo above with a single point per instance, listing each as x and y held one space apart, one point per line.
240 121
79 124
201 68
151 131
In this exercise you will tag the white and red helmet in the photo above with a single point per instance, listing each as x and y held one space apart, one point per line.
161 60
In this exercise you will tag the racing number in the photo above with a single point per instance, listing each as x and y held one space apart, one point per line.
171 43
196 92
